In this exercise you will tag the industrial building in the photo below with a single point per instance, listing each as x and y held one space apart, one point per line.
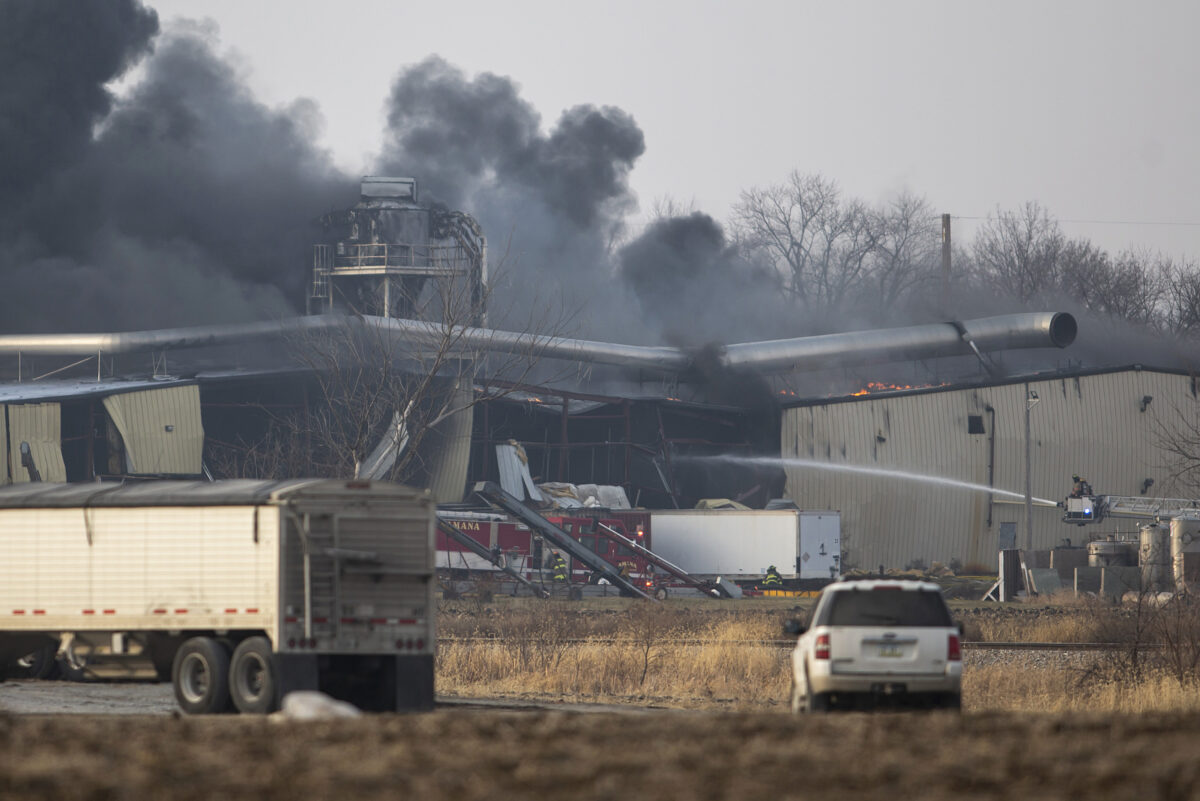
179 402
1103 425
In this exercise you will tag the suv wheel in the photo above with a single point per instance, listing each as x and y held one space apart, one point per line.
951 701
818 702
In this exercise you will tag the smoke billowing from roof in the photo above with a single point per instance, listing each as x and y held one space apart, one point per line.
550 202
699 288
188 201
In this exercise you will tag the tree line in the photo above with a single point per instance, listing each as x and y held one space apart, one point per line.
831 252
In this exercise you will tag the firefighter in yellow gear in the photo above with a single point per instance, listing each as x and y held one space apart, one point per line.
559 566
772 581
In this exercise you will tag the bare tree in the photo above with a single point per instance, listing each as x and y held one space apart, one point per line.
1181 315
907 249
391 394
1018 252
1085 272
819 244
1137 288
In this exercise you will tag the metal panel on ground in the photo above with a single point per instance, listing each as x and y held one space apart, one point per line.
161 429
39 425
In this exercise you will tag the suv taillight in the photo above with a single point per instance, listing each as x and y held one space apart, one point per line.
821 651
954 649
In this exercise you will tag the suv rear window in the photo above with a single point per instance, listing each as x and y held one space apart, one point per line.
887 608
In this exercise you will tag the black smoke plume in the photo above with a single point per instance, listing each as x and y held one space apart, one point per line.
697 287
49 107
186 202
552 203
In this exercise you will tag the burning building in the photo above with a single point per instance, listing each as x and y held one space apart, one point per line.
410 281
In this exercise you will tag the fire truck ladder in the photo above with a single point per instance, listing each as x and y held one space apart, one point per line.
496 559
707 587
1094 508
1134 506
491 492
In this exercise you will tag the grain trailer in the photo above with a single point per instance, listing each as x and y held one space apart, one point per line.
240 591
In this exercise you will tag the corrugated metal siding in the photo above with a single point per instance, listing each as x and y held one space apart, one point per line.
1092 425
136 568
514 473
6 468
161 429
39 424
448 476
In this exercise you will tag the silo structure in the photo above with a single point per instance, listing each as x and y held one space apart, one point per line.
1154 557
1185 551
381 256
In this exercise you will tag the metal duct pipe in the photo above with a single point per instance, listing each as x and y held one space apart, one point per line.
419 333
1007 332
1013 331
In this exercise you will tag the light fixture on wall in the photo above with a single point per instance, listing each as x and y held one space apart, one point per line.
1147 484
1146 401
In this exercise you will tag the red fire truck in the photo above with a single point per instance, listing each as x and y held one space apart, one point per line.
525 551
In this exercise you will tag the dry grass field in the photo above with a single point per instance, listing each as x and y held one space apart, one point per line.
734 656
703 686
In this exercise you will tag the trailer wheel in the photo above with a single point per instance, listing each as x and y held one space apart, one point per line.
73 668
200 674
660 593
252 678
40 664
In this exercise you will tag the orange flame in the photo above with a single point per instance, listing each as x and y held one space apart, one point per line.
876 386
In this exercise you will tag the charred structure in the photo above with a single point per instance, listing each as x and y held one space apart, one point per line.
380 256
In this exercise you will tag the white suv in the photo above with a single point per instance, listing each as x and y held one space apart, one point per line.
875 642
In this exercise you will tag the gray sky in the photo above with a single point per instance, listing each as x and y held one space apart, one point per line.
1089 108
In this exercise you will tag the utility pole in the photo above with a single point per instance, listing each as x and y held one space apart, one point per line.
945 261
1031 398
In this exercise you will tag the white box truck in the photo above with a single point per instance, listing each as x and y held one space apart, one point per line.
239 591
741 545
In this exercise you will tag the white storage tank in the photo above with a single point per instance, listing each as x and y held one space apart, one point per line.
1185 540
1154 557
